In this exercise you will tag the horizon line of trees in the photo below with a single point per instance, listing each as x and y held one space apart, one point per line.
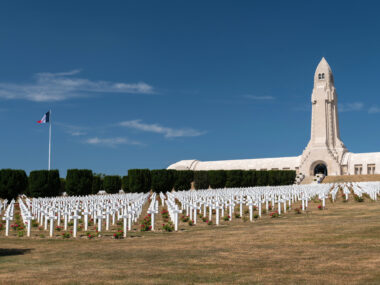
44 183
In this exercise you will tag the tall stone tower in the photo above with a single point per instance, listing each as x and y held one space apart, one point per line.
325 149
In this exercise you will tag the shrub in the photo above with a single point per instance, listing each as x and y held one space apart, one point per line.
237 216
44 183
162 180
58 228
169 227
191 223
298 211
226 218
89 235
183 179
201 180
118 234
256 216
358 199
12 183
66 235
112 184
79 182
139 180
165 214
217 178
146 224
274 214
185 219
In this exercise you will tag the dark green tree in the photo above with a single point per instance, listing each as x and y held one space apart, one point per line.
62 189
97 184
201 180
125 183
162 180
12 183
183 179
79 182
112 184
139 180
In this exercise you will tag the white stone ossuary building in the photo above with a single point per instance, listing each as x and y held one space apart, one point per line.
325 153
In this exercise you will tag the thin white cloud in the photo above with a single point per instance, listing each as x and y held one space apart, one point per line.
156 128
374 110
72 130
50 87
350 107
110 142
78 133
253 97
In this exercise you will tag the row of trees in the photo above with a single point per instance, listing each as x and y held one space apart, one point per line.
43 183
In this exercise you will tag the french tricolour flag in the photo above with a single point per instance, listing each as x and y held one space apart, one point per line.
45 119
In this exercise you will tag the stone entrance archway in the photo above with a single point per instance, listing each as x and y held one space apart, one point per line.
320 168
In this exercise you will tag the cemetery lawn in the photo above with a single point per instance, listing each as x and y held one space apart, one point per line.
339 245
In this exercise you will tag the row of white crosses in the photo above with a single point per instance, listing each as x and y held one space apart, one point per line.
108 208
26 216
8 215
172 209
153 209
222 200
280 197
372 189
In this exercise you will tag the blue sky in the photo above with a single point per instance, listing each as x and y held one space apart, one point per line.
143 84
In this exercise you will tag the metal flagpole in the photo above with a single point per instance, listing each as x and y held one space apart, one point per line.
49 139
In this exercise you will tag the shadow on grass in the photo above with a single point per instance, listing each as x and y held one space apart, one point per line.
13 251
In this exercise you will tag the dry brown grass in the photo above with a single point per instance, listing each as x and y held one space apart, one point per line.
335 246
351 178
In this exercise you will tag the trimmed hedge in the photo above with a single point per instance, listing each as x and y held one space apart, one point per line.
79 182
234 178
217 178
97 184
44 183
162 180
139 180
201 180
12 183
63 186
183 179
112 184
125 183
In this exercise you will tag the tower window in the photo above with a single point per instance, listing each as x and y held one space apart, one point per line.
323 76
319 76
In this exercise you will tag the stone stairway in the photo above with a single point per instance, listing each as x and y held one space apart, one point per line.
308 180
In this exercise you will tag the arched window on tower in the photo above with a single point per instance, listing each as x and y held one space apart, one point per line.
319 76
323 76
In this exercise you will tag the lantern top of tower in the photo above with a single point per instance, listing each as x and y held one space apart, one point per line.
323 73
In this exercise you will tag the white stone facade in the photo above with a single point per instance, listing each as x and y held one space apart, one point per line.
325 152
